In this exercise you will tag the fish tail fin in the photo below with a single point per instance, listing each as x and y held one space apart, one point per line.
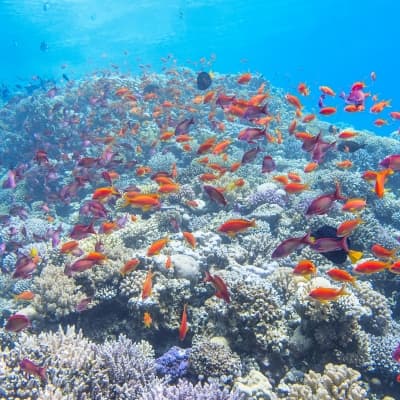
308 239
207 277
42 373
354 255
343 291
253 223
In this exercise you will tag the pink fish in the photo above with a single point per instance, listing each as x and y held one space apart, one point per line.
321 204
215 195
17 322
80 231
80 265
288 246
392 162
32 369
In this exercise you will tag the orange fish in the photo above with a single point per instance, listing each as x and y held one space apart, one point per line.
324 294
344 164
190 239
206 145
327 90
380 179
68 247
26 295
327 110
169 188
311 166
305 268
104 193
395 267
235 166
371 266
292 127
147 320
208 97
341 275
208 177
244 78
147 285
143 201
303 135
378 107
168 262
382 252
108 226
347 227
129 266
303 89
347 134
183 328
163 180
295 187
156 247
283 179
294 101
294 177
183 138
395 114
221 146
308 118
234 226
96 256
380 122
353 205
143 170
354 108
167 135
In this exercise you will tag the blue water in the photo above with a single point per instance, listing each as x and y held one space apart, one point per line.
332 42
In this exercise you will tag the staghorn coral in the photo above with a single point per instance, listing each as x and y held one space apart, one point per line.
338 382
56 294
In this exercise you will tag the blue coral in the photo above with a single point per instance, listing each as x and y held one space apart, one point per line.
173 364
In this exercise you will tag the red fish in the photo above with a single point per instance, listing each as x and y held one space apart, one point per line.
341 275
183 328
31 368
156 247
221 290
324 295
323 203
17 323
382 252
288 246
371 266
147 285
305 268
234 226
190 239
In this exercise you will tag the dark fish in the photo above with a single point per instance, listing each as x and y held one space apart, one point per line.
268 164
93 208
215 195
65 77
250 155
349 146
17 322
44 46
80 231
336 256
203 81
183 127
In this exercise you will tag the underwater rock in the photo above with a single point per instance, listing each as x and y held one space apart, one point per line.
185 267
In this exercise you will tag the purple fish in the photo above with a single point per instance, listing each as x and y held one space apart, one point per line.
93 208
253 112
321 204
250 155
81 265
396 354
288 246
83 304
268 164
17 322
215 195
81 231
392 162
10 182
251 134
24 268
325 245
183 127
31 368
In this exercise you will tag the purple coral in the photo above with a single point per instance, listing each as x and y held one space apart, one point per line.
186 390
173 364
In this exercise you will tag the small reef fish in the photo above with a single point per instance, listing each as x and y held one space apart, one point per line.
303 89
322 204
327 110
147 285
221 290
391 162
30 368
268 165
234 226
288 246
348 226
156 247
17 323
305 268
183 327
190 239
327 90
326 294
244 78
354 205
129 266
215 195
147 320
341 275
184 126
371 267
83 304
26 295
382 252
